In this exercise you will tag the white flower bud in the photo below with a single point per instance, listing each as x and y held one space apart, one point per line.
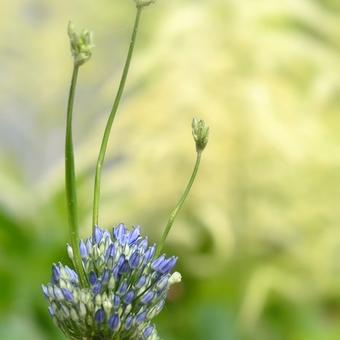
107 305
176 277
112 283
98 300
82 310
70 252
62 283
74 315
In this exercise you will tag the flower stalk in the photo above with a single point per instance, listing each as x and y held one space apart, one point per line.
106 136
200 134
81 45
70 180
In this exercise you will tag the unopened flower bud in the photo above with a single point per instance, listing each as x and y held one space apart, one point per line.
144 3
81 44
176 277
200 133
82 310
70 252
74 315
107 305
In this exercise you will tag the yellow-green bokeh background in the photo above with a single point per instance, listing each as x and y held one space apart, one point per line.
259 238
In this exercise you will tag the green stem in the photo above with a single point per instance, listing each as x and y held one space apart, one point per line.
179 204
70 181
108 127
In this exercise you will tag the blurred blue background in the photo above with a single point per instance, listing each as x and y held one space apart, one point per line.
259 238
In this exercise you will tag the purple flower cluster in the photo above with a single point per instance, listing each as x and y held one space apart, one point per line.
127 288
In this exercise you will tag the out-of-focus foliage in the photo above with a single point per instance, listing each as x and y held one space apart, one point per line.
259 238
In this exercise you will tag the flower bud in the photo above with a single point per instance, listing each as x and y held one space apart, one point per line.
98 300
144 3
70 252
176 277
82 310
74 315
107 305
200 133
81 45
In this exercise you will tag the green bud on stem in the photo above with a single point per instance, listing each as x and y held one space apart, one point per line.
200 133
81 44
144 3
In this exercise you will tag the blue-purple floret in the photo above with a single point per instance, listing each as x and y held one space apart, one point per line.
114 322
127 287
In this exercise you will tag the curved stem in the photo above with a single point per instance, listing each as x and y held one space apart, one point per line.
108 127
70 181
179 205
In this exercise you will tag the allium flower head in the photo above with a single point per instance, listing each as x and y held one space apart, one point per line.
127 288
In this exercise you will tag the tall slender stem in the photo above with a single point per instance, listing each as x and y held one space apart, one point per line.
70 181
179 205
108 127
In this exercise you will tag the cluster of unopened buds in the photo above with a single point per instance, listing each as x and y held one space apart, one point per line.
127 287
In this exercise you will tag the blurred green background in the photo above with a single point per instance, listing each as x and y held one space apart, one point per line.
259 238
